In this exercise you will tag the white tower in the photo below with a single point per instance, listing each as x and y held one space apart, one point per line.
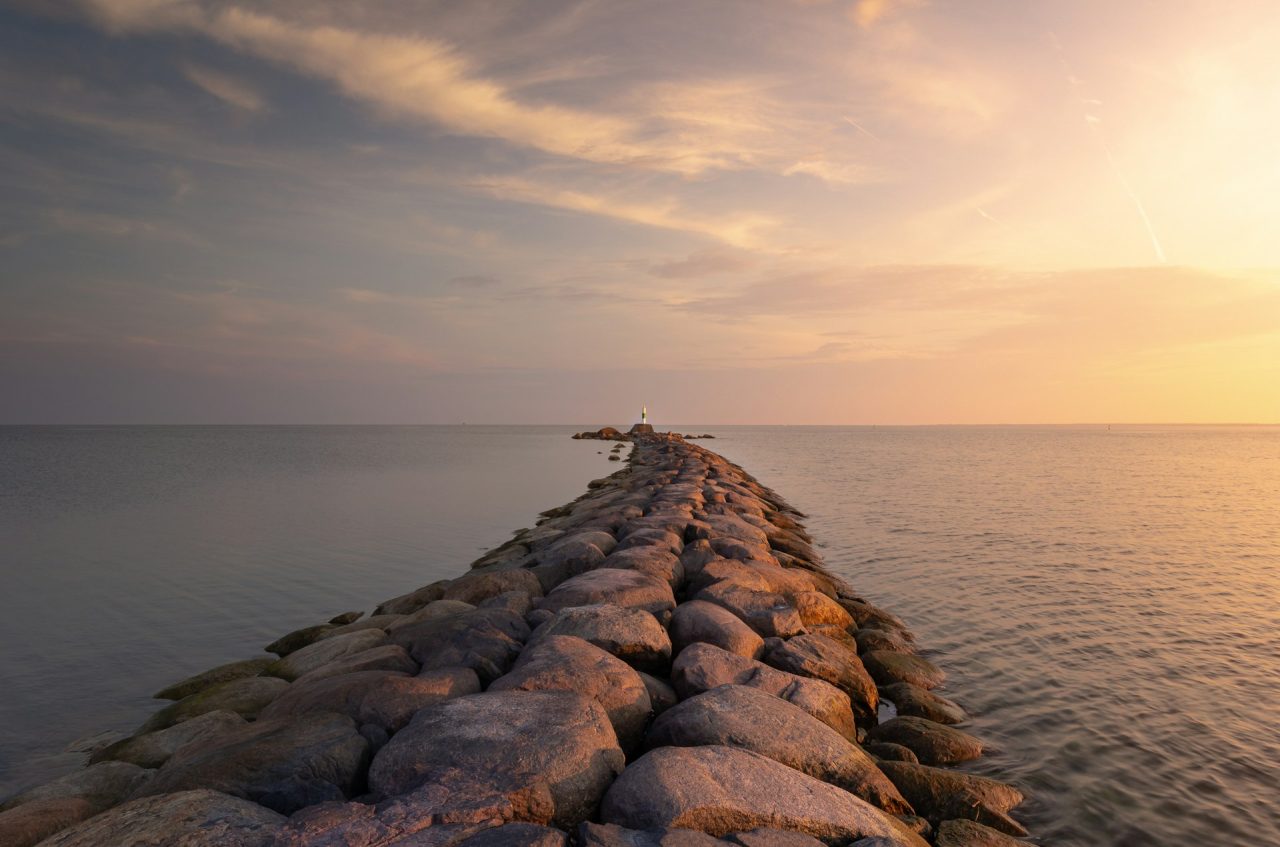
644 414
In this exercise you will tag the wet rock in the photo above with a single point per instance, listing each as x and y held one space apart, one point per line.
476 587
411 602
883 639
750 719
101 786
485 640
151 749
890 752
702 667
819 657
817 608
661 695
565 663
887 667
769 614
31 823
698 621
182 819
299 638
933 743
939 795
517 835
280 763
383 698
372 622
917 702
719 790
326 650
654 561
630 589
971 834
866 615
388 657
245 697
548 754
213 676
633 635
345 618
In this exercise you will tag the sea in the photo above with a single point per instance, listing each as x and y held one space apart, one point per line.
1104 600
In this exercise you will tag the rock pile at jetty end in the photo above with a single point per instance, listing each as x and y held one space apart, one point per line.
663 662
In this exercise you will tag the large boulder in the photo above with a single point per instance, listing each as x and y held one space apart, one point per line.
476 587
820 657
632 589
485 640
565 663
719 790
383 698
299 638
769 614
412 601
633 635
567 558
887 667
246 697
702 667
183 819
387 657
892 640
101 786
152 749
548 754
817 609
654 561
326 650
280 763
698 621
939 795
933 743
750 719
971 834
33 822
213 676
911 700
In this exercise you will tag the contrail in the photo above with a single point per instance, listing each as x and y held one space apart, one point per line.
860 128
1093 122
1128 189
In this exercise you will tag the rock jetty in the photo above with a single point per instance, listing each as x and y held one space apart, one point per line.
663 662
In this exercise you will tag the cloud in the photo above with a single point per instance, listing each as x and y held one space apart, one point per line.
702 263
867 13
226 88
745 230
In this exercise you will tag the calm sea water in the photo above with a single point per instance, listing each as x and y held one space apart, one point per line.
1106 602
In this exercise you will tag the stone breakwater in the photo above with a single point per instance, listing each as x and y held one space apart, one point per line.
663 662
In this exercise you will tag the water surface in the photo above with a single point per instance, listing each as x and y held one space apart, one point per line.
1106 602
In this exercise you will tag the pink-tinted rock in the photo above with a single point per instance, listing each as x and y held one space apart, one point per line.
819 657
720 790
548 754
702 667
698 621
633 635
565 663
631 589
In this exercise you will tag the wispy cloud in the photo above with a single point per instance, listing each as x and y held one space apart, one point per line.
228 89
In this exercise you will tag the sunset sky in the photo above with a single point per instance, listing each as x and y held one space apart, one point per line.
748 211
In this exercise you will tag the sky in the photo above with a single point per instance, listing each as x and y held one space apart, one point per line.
734 211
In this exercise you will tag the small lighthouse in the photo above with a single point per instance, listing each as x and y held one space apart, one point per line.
642 427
